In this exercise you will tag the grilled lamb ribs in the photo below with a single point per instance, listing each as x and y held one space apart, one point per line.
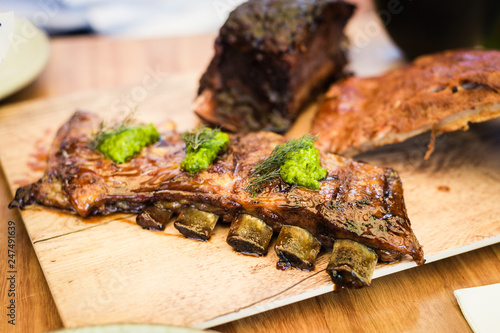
441 92
272 57
358 203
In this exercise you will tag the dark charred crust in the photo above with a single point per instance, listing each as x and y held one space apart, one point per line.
272 58
119 205
47 191
388 256
23 197
470 85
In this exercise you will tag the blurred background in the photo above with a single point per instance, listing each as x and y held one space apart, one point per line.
418 27
128 18
146 18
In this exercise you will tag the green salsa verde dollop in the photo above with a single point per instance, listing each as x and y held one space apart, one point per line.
122 144
303 167
202 147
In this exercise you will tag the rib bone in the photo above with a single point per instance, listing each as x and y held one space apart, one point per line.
196 224
297 247
249 235
351 265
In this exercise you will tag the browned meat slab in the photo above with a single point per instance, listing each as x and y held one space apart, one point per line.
271 58
441 92
356 201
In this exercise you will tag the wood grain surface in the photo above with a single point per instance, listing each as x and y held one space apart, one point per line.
99 271
411 301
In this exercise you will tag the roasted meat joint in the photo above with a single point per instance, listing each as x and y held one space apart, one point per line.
272 57
271 191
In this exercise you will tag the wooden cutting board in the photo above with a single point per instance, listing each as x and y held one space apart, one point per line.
109 270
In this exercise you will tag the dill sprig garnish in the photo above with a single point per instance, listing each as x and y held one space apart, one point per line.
268 170
198 137
107 129
202 147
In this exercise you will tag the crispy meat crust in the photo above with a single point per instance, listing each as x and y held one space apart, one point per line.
441 92
356 201
272 57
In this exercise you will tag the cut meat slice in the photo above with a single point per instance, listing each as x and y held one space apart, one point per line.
441 92
272 57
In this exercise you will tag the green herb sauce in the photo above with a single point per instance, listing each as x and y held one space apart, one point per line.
202 147
295 162
303 168
122 144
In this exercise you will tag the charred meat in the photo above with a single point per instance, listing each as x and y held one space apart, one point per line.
356 201
272 57
441 92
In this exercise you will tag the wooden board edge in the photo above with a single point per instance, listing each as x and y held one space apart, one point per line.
387 270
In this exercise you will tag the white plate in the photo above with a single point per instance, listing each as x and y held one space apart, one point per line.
26 58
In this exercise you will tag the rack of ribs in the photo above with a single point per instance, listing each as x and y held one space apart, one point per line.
359 210
272 57
441 92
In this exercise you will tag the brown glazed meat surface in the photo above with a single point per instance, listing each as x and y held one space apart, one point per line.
356 201
272 57
440 92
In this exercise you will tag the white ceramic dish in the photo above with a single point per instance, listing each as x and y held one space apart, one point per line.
26 58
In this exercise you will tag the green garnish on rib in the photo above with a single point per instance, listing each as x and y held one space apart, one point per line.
296 162
121 141
202 146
